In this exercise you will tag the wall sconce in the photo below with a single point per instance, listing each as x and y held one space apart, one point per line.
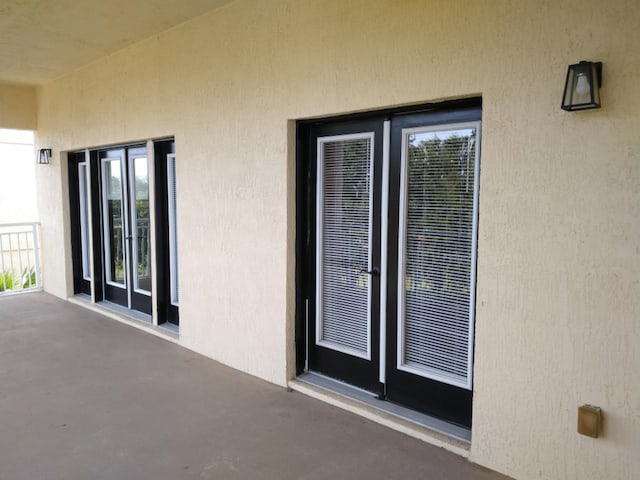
44 155
582 87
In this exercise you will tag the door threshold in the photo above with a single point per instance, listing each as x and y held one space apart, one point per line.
170 327
133 314
361 402
132 318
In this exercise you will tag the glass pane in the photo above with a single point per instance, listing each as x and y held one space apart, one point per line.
141 234
345 232
115 233
439 168
84 220
173 229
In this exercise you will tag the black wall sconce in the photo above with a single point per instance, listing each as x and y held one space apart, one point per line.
582 87
44 155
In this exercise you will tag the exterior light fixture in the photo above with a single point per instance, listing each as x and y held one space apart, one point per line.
44 155
582 87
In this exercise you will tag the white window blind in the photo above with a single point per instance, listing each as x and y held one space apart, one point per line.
344 241
173 229
83 193
437 252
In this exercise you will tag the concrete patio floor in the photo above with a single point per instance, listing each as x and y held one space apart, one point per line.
85 397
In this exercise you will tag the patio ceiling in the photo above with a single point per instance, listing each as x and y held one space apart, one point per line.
41 40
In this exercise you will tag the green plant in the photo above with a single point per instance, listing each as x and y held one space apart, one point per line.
6 280
10 281
29 277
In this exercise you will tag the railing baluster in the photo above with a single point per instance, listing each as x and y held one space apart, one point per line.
11 268
20 265
36 255
26 237
4 286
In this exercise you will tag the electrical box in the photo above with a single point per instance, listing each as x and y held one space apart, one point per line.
589 420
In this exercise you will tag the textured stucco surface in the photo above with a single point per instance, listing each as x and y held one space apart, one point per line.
558 283
17 107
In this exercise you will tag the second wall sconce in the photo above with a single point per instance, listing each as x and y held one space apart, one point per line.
44 156
582 86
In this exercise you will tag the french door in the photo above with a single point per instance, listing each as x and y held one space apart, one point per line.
111 221
389 205
126 227
344 336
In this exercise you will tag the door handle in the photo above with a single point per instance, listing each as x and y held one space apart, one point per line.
374 271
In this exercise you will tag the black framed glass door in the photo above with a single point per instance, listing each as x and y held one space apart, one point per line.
343 339
387 229
433 205
126 227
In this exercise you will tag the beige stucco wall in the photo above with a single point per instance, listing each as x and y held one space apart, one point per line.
558 262
17 107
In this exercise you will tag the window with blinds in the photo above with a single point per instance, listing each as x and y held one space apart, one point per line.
173 230
436 283
344 229
83 194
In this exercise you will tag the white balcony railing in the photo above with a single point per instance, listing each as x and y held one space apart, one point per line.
19 258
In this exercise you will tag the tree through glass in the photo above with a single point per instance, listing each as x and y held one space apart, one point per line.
141 232
439 216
